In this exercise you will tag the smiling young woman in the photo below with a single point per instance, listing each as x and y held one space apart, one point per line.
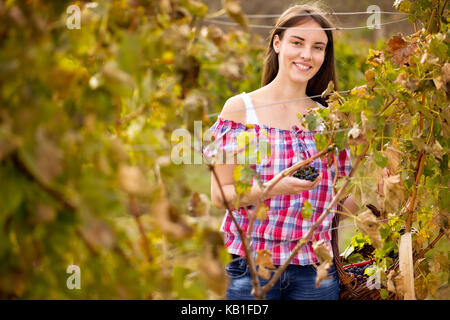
303 41
299 63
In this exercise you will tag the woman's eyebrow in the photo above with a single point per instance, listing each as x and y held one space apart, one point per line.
317 42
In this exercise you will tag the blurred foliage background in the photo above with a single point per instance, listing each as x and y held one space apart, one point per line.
86 123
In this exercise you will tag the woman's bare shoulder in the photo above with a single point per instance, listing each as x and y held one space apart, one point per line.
234 109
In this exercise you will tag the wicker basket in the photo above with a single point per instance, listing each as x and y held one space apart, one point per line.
350 289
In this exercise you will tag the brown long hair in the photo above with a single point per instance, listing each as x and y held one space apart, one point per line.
327 71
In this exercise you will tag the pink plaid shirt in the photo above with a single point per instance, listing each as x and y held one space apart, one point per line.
284 225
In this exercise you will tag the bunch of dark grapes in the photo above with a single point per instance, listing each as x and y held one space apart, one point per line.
306 173
358 272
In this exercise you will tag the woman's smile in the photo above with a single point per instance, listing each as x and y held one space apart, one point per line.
302 66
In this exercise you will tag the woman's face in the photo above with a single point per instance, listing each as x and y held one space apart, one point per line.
301 52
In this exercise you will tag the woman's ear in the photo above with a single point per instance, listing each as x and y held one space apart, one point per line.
276 43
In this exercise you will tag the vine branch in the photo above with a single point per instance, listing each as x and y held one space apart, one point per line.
137 216
255 282
305 238
286 172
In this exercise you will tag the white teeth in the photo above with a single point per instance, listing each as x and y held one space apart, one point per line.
302 67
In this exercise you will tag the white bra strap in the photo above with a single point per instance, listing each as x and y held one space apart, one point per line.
251 116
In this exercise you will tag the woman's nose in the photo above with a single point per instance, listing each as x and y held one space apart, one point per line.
306 53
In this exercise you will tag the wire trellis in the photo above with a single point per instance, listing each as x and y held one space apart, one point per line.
145 147
251 16
277 102
264 26
262 16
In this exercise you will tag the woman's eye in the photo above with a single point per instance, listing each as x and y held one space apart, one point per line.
300 43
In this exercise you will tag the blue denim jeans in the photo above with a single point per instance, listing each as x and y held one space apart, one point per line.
296 283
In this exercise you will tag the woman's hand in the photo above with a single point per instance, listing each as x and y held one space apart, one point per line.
386 173
291 185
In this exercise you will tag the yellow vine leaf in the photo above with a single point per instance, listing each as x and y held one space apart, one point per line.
262 212
322 273
394 157
133 181
367 223
244 139
356 136
234 10
323 255
198 205
264 263
322 252
213 272
395 283
393 193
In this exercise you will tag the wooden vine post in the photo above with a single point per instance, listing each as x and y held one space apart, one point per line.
406 262
407 265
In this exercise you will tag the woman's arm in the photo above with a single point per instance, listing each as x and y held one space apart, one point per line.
350 205
286 185
233 109
230 192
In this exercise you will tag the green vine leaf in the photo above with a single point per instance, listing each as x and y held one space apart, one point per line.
307 210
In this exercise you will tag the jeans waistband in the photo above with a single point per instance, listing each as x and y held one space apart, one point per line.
235 257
